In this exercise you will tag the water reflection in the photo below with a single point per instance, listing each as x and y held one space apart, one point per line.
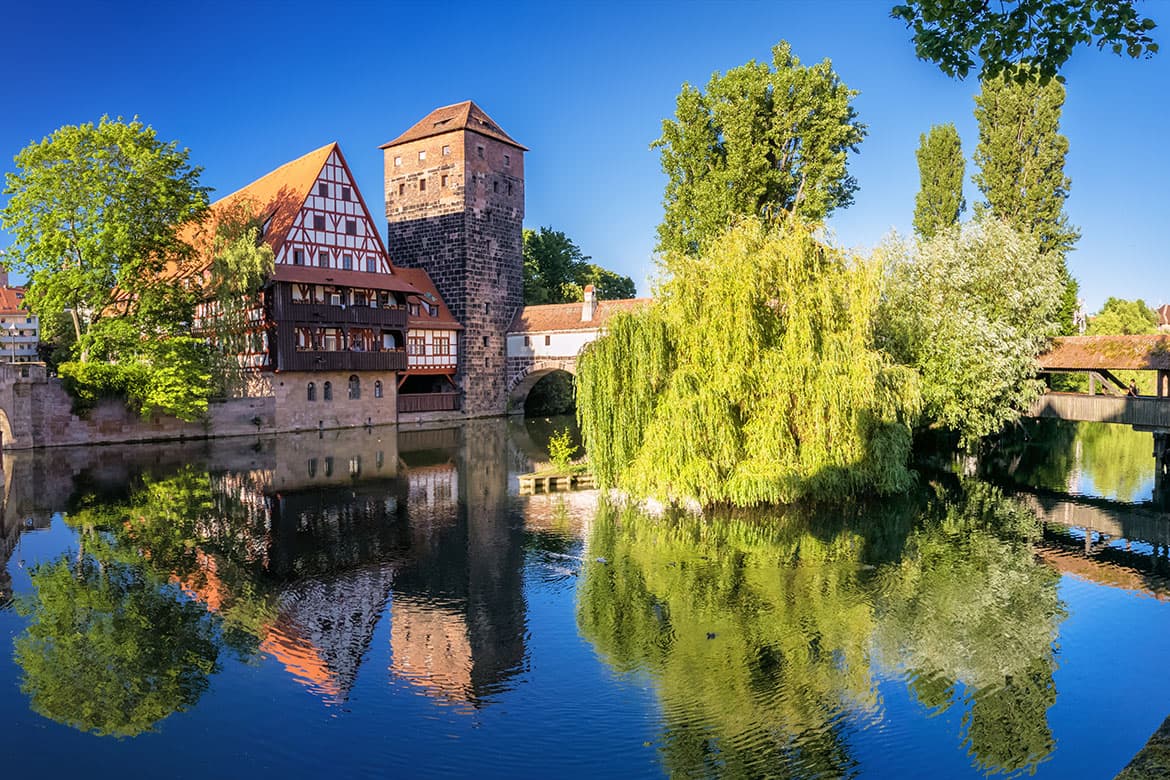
766 636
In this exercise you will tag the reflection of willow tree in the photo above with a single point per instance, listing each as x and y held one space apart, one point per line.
112 648
791 633
969 605
115 643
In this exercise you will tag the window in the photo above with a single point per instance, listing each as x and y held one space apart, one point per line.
328 458
442 345
355 466
443 181
401 190
345 193
507 161
355 388
413 309
371 265
495 186
509 188
312 467
485 341
547 340
298 257
304 341
312 393
318 222
351 227
479 152
527 341
359 298
327 394
378 389
446 150
422 155
347 262
323 259
422 185
330 342
487 308
334 298
397 162
416 345
323 189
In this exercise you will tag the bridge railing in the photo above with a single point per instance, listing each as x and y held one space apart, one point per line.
1143 412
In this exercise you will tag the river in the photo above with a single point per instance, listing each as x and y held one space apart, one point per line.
384 603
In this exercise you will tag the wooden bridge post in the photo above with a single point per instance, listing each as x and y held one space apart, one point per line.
1161 464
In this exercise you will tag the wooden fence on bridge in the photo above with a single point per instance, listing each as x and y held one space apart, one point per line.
1144 413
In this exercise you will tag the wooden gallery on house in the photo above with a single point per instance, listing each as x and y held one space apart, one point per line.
339 336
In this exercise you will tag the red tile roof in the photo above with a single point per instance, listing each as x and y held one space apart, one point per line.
421 280
567 316
1082 353
460 116
12 300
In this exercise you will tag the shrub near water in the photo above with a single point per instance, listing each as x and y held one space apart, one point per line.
753 379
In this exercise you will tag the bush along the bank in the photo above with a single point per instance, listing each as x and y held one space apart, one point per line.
174 378
753 379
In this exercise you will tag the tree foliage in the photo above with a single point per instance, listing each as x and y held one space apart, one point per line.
1020 157
940 170
1039 33
753 379
556 271
946 311
1119 317
93 211
760 140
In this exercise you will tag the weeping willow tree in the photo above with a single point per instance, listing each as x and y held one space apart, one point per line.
752 380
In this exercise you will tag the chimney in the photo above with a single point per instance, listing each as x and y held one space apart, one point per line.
590 304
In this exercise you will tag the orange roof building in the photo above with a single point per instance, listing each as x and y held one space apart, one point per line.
20 329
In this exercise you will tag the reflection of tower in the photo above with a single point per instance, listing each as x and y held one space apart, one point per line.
458 611
455 206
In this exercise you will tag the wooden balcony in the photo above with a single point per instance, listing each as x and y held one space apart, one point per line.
336 316
386 360
428 402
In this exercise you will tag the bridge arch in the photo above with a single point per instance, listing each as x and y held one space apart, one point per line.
522 384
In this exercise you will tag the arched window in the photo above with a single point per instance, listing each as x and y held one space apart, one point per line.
378 389
327 392
312 392
355 388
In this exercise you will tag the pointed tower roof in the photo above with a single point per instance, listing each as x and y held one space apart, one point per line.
460 116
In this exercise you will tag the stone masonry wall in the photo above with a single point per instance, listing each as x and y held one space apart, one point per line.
295 412
467 233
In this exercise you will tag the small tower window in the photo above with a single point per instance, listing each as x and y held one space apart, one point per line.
323 189
355 388
345 193
351 227
485 341
378 389
443 181
547 340
422 155
507 161
422 185
318 222
401 190
327 394
312 392
509 188
495 186
487 308
397 162
446 150
479 152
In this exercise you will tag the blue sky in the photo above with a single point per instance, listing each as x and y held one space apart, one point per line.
249 86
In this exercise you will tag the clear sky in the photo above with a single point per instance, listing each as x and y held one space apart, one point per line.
248 86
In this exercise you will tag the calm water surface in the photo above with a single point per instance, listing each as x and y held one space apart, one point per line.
378 604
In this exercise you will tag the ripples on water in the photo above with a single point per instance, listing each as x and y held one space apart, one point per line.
372 603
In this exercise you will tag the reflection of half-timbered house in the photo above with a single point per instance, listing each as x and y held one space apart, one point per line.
329 336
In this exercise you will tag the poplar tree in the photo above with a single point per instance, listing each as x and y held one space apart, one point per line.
761 140
1021 166
940 170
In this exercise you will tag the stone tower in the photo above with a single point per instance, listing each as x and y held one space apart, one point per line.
455 207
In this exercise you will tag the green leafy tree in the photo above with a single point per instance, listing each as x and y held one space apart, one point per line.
940 170
758 357
1020 156
1120 317
945 312
556 271
1040 33
760 140
93 211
